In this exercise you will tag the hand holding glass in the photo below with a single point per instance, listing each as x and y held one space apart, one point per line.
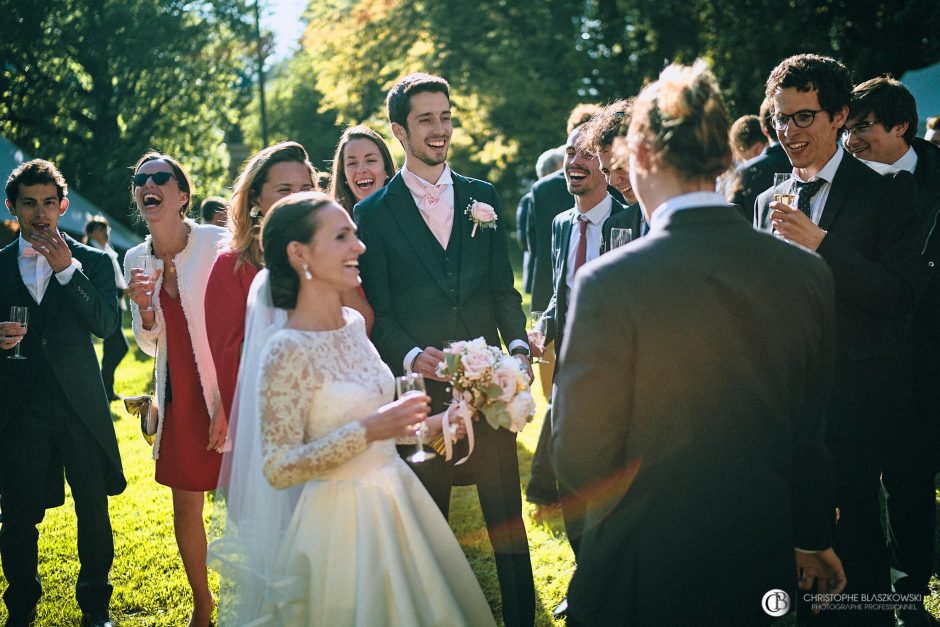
537 333
414 384
785 192
19 315
148 264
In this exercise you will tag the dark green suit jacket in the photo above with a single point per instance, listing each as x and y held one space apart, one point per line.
424 295
59 339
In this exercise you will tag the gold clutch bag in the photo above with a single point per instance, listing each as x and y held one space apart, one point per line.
142 407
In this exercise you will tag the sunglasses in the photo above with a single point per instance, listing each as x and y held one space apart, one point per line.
140 179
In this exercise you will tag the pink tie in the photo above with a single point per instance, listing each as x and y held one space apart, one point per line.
29 252
438 216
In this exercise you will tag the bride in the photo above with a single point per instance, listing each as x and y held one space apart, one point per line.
326 524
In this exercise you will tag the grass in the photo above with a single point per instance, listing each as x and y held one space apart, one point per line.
150 587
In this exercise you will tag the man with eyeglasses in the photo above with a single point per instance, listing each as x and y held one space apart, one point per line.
881 132
865 226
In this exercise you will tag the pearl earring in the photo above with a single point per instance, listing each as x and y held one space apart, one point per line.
307 274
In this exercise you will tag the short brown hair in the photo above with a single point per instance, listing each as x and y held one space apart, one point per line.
889 100
398 100
581 114
35 172
745 132
612 121
808 72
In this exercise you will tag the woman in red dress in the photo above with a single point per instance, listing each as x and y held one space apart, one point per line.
170 324
270 175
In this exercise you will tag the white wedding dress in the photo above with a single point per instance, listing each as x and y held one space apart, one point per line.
365 540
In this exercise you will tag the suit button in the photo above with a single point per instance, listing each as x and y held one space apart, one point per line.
930 264
454 310
44 341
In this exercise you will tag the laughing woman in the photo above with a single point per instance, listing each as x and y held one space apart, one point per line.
362 165
170 324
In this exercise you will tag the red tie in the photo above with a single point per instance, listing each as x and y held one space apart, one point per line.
581 255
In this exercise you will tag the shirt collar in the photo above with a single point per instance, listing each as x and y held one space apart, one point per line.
599 212
445 178
23 244
908 161
682 202
828 172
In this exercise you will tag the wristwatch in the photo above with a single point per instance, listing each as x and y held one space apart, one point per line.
521 350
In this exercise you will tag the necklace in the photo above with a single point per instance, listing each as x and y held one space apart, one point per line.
168 257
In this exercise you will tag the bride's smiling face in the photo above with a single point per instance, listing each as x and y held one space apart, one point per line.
335 249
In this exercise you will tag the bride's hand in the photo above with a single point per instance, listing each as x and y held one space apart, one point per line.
397 418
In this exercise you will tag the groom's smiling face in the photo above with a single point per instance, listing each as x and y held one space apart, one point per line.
427 134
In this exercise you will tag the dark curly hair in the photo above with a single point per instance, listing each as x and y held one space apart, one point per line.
291 219
807 72
35 172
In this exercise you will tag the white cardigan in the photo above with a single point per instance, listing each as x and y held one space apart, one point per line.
193 265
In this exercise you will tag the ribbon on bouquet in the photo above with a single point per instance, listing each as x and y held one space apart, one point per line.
463 412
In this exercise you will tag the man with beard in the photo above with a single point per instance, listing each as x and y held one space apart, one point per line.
430 277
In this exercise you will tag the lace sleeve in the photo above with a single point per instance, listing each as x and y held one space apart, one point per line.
288 382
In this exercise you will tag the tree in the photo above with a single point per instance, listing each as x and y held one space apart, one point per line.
91 85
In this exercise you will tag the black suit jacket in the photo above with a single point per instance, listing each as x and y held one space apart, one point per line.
550 197
873 237
755 175
405 276
522 225
557 308
692 418
58 340
630 218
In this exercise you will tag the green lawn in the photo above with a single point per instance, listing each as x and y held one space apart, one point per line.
149 583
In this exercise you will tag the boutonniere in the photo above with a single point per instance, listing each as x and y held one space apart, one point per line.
482 215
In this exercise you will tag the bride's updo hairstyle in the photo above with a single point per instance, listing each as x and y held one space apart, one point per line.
683 122
291 219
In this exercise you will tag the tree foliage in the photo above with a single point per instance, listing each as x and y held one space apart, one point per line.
516 67
93 84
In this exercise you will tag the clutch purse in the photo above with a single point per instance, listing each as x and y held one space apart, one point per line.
143 407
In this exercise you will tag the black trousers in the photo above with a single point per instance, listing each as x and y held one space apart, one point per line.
46 436
494 468
114 348
543 486
859 538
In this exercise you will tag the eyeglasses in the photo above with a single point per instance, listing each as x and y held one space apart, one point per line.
802 119
861 128
140 179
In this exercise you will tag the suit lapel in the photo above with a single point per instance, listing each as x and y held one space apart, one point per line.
564 246
469 246
11 280
837 193
415 230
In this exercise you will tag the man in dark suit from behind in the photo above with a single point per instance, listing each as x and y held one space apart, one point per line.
754 176
55 413
690 417
867 228
549 161
881 131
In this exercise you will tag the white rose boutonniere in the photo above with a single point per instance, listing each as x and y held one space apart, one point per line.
482 215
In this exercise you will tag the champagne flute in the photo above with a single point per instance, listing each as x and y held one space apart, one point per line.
619 237
148 264
786 195
19 315
537 333
408 385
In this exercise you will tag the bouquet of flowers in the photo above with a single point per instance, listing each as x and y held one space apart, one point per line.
486 380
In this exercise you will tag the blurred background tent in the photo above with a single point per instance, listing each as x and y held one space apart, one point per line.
80 208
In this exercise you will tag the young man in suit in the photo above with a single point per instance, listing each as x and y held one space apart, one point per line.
55 414
881 132
691 429
430 278
866 227
757 174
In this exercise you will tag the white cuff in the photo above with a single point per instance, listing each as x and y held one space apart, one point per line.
66 275
799 550
409 359
518 344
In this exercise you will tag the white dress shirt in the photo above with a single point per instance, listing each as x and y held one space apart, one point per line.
36 272
908 161
827 174
595 217
682 202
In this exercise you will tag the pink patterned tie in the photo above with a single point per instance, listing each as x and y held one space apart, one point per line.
29 252
438 216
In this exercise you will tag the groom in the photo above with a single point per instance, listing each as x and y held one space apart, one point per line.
430 279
